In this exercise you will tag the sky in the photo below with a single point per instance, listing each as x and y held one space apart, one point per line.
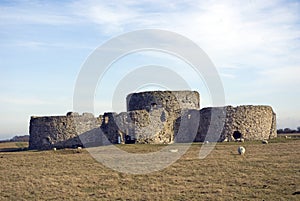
254 45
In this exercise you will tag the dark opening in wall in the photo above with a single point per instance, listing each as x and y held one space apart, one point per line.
129 140
153 106
46 141
237 134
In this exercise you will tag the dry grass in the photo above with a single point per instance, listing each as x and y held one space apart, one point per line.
266 172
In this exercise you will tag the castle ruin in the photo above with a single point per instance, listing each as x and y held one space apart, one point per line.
155 117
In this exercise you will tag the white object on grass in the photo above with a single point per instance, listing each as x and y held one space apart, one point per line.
241 150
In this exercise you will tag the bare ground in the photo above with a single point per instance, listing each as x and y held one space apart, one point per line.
266 172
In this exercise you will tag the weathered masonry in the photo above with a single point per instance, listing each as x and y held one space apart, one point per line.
156 117
248 122
61 131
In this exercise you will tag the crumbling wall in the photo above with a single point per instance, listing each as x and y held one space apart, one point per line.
138 126
109 127
171 101
156 117
119 128
62 131
170 104
186 126
153 127
211 124
248 122
273 132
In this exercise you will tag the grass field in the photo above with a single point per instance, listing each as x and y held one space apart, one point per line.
266 172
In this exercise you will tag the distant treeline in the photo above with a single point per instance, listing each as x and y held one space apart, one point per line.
288 130
23 138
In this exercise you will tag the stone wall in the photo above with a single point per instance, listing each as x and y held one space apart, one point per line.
165 108
186 126
63 131
171 101
159 117
153 128
109 127
211 124
138 126
248 122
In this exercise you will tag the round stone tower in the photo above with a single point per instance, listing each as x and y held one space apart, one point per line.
247 122
171 101
164 109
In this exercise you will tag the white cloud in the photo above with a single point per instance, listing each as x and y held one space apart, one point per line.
228 31
33 13
254 39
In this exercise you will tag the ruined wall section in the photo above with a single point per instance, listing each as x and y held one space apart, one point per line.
62 131
156 117
248 122
273 132
211 124
109 127
154 128
171 101
186 126
170 104
138 126
253 122
119 128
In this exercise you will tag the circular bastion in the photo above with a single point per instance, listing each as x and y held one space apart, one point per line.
171 101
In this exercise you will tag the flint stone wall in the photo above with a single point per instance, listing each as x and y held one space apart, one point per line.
248 122
138 126
172 101
119 128
63 131
186 126
158 117
164 107
154 128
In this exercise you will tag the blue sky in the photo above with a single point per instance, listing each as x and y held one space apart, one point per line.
255 46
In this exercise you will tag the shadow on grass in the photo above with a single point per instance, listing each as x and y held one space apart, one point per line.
13 149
